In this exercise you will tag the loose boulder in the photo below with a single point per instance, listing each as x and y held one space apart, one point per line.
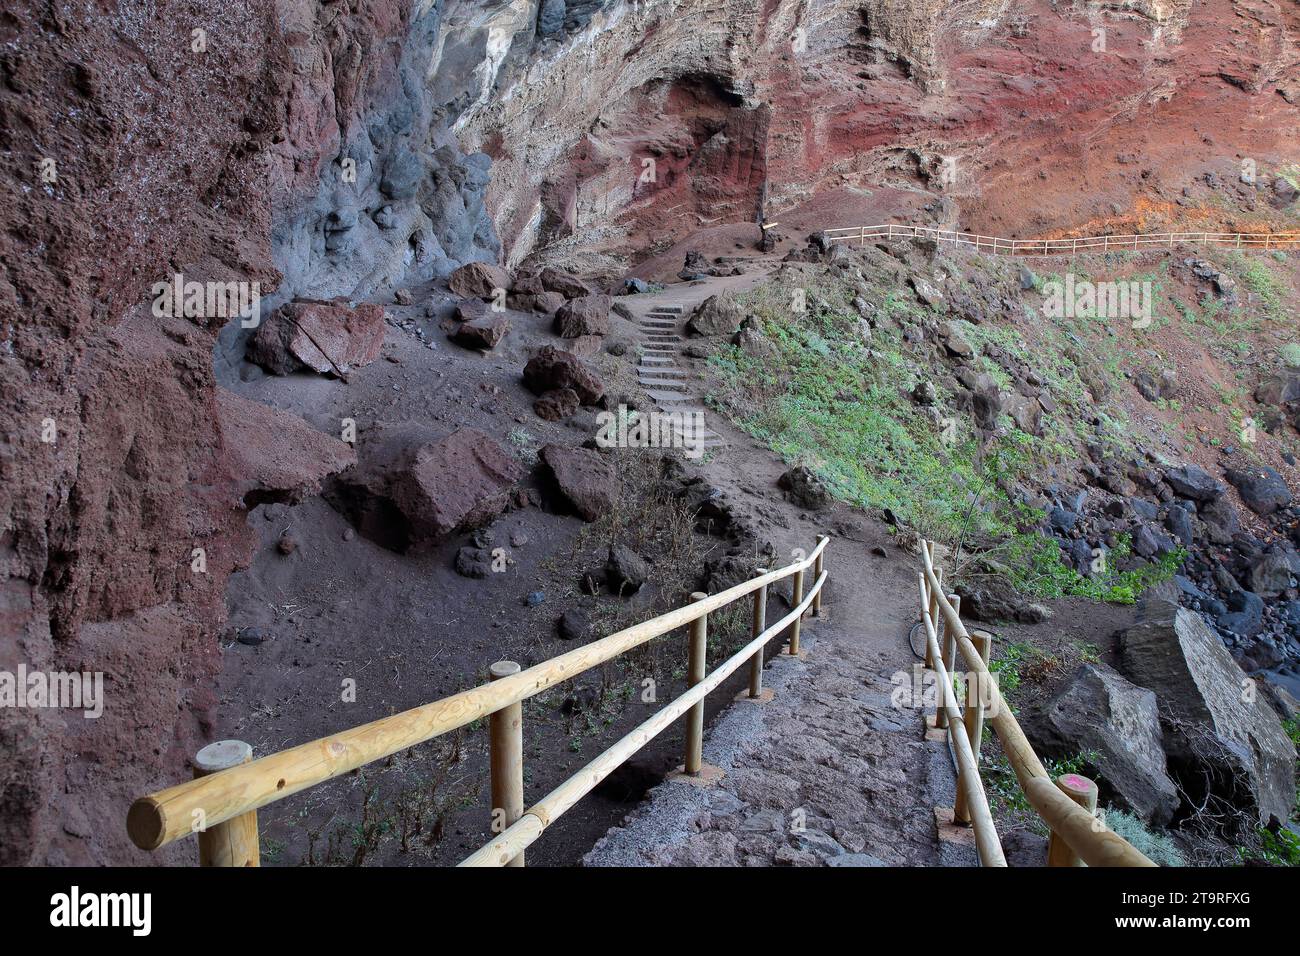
273 455
804 488
478 280
553 368
1189 481
565 283
716 315
625 571
1262 489
1098 710
327 337
584 478
1217 733
412 488
483 333
587 315
557 404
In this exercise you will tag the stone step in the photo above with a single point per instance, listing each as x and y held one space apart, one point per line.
661 395
670 309
666 384
670 372
657 360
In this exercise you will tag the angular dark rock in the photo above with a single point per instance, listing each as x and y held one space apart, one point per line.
557 404
804 488
1097 709
482 334
479 280
326 337
573 625
1272 573
625 571
1262 490
1191 481
1215 733
473 562
553 368
587 315
584 477
716 315
411 488
565 283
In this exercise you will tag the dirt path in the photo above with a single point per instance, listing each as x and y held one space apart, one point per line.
829 770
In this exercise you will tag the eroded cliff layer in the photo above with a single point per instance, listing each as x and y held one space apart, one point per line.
346 148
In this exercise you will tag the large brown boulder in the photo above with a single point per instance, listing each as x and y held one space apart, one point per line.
326 337
557 405
588 315
1098 710
274 455
565 283
411 488
583 477
553 368
478 280
716 315
482 333
1219 734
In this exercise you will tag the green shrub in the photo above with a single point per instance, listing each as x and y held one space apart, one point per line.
1290 355
1158 847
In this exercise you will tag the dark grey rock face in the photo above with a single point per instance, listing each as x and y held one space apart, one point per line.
1098 710
1220 737
399 203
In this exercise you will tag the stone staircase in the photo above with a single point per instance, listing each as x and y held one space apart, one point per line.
665 381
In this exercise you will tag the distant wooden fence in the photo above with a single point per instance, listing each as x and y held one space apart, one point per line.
1067 805
220 805
1245 241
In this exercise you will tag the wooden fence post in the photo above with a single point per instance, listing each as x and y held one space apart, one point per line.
1083 792
695 673
819 565
760 624
506 756
794 628
983 642
948 647
235 842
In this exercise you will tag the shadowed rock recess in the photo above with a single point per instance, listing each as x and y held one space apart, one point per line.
316 321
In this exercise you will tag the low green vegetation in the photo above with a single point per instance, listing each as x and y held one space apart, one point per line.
1278 847
1034 565
832 394
1159 847
1006 797
1258 276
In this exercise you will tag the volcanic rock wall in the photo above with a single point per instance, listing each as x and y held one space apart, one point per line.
345 148
156 140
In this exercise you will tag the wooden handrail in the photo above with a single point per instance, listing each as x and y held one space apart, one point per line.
538 817
1050 247
1085 833
163 817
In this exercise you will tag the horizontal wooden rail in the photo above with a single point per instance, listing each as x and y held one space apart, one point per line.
1057 247
538 817
1085 833
160 818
